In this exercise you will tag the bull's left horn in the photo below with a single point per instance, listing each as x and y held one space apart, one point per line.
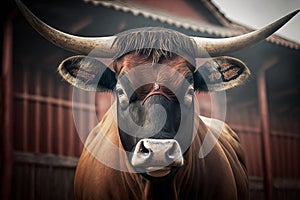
76 44
222 46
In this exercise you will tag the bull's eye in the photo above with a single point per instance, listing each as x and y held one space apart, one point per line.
120 91
190 91
188 98
123 99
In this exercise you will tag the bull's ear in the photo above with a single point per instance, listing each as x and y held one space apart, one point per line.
220 73
87 73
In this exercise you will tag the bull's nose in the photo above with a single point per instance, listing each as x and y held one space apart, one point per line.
157 153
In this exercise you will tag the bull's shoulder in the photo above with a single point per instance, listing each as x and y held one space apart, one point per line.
106 129
224 134
227 138
219 125
228 147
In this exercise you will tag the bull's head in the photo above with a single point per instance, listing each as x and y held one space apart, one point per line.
154 80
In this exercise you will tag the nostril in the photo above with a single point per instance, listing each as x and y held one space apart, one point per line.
171 152
143 150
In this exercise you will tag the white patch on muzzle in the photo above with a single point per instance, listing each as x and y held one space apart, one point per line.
156 157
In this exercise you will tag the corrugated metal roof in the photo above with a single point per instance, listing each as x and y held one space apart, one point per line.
197 26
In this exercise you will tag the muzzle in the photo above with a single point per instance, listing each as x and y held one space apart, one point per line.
156 157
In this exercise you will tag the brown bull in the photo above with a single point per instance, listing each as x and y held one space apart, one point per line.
152 144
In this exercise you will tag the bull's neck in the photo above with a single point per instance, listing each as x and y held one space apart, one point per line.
160 189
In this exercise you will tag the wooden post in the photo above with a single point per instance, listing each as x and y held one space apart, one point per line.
37 111
25 134
7 98
49 116
264 116
60 124
71 131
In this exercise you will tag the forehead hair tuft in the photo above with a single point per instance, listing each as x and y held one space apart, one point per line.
155 43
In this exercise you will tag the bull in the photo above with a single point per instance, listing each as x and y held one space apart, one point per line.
152 135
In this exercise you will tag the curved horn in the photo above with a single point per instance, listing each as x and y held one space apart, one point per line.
222 46
76 44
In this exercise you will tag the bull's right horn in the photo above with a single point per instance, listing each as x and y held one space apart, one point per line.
101 46
223 46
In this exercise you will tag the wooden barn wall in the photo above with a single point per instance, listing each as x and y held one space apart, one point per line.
285 142
45 107
43 176
284 136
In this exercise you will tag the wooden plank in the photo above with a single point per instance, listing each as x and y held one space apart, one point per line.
275 150
60 125
297 158
49 117
256 183
18 130
45 159
255 130
286 134
18 171
244 128
71 133
37 179
32 183
284 148
287 184
289 156
7 109
92 116
264 116
25 112
43 175
54 101
258 156
80 123
37 112
62 181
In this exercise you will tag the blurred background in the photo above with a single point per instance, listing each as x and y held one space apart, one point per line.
39 141
257 13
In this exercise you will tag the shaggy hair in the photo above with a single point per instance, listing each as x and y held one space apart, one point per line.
155 43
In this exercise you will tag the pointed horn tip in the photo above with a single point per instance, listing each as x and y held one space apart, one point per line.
296 11
19 2
21 5
292 14
289 16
